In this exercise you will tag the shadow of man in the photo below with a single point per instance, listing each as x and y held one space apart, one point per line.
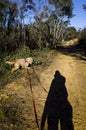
57 107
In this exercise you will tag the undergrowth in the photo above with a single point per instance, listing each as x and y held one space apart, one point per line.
19 53
39 57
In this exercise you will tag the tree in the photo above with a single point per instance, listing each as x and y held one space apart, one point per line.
62 12
3 11
50 19
71 33
55 14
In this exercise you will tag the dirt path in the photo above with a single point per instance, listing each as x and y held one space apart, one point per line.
75 73
73 70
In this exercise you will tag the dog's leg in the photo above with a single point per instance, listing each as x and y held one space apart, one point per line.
16 67
27 68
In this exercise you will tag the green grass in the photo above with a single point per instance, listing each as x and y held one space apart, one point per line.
40 57
2 114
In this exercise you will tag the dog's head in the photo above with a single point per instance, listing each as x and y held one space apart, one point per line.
29 60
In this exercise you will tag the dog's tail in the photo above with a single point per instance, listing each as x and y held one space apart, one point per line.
10 63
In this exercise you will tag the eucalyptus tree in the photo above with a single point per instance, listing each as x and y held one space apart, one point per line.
56 15
71 33
62 10
50 19
3 12
83 32
8 14
12 15
8 17
40 16
24 9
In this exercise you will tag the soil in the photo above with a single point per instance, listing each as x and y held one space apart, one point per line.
17 96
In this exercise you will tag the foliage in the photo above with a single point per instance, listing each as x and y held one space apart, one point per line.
83 38
2 114
21 53
49 21
48 28
56 17
71 33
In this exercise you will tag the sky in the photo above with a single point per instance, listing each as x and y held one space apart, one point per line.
78 21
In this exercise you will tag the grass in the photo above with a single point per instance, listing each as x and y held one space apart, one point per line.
40 58
2 114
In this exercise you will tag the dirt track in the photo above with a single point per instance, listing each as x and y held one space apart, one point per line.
73 69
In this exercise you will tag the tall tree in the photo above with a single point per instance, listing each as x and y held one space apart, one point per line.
3 12
62 12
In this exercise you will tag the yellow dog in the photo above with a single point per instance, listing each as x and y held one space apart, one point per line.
24 63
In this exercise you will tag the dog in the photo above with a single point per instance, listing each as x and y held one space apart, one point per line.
23 63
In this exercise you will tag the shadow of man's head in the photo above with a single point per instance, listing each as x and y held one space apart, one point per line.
57 73
59 77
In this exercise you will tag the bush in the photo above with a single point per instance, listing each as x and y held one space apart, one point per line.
21 53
